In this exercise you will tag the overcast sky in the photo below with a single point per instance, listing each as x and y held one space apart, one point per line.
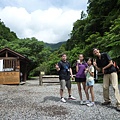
50 21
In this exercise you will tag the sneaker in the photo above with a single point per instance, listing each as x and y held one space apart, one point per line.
106 103
86 102
81 102
91 104
63 100
71 98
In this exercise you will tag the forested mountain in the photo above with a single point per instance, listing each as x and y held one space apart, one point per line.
100 28
55 46
5 32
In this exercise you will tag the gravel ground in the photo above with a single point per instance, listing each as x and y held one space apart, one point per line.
33 102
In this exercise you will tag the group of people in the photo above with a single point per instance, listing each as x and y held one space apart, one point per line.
85 77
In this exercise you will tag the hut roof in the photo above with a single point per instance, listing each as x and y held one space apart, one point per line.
16 54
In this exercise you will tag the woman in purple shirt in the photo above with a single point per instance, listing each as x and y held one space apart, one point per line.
80 75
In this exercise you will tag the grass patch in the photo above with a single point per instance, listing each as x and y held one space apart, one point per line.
33 78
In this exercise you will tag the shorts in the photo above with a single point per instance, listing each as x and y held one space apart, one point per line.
80 79
90 83
64 83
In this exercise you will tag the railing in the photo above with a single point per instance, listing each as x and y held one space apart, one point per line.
47 78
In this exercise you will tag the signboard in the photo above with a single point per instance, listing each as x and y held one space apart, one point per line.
9 77
42 73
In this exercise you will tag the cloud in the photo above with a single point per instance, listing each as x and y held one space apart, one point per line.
51 25
32 5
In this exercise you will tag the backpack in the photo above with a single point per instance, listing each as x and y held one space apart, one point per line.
66 68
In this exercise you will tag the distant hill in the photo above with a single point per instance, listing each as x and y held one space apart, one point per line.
6 33
55 46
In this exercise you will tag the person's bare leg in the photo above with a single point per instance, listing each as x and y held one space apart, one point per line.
61 93
84 87
69 92
79 90
86 91
92 93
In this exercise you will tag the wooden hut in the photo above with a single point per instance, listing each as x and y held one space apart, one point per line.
13 67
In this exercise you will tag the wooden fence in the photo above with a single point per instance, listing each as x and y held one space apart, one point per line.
54 79
48 79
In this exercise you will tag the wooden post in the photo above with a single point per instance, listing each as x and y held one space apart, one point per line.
40 78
